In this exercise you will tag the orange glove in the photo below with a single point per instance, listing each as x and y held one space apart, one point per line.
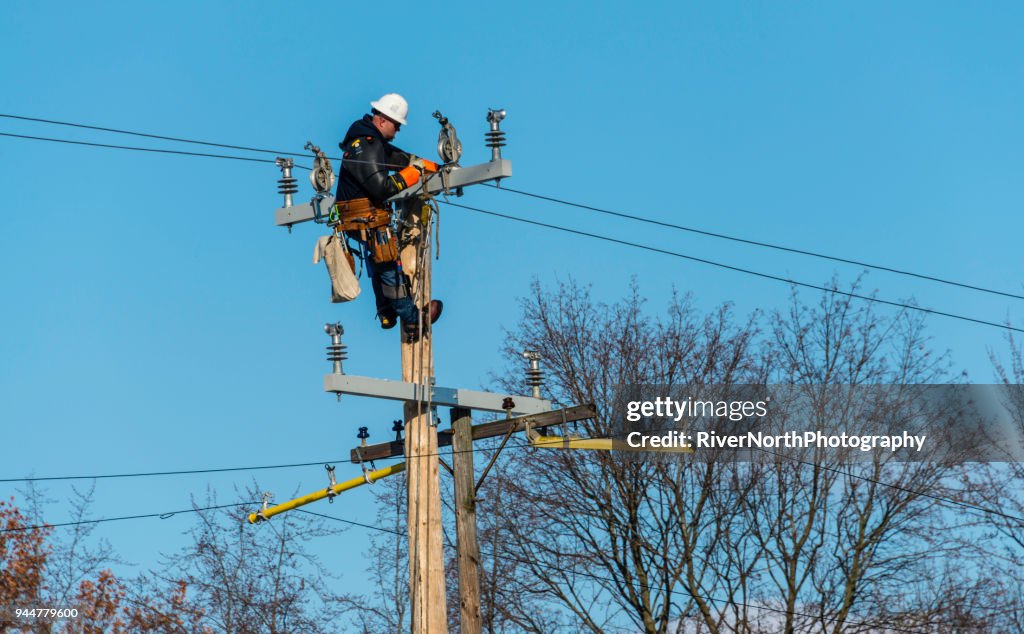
411 175
424 165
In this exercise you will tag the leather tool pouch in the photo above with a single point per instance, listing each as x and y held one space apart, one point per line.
383 245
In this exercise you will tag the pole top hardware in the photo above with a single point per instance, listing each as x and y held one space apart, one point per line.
331 482
449 148
322 174
261 515
495 137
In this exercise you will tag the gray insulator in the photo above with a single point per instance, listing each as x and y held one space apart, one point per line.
495 139
287 186
337 352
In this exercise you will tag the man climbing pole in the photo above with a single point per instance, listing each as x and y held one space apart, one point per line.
364 185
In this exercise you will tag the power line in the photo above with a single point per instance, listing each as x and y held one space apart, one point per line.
163 516
924 494
161 473
180 140
513 445
736 268
152 136
553 199
931 496
759 243
596 236
229 469
142 149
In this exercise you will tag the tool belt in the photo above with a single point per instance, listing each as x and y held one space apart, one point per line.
358 214
371 224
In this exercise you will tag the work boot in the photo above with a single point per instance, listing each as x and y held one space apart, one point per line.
388 318
433 311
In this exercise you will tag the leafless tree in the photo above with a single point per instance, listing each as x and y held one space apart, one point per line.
826 541
236 577
384 608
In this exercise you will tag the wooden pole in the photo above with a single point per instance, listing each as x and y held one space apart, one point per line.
426 547
467 546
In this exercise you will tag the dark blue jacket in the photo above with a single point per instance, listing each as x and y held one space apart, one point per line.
366 162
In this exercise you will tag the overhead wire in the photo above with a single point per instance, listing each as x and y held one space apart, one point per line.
174 139
142 149
517 445
566 229
938 498
165 515
554 199
737 269
557 227
153 136
148 474
759 243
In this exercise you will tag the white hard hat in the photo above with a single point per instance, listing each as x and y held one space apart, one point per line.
392 106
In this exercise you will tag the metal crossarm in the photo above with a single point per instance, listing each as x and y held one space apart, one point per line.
460 177
441 396
483 430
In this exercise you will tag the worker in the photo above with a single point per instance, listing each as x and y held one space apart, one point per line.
373 170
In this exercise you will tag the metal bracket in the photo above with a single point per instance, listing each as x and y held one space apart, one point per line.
267 497
330 483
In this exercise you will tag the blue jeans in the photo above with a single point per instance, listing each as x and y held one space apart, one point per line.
388 280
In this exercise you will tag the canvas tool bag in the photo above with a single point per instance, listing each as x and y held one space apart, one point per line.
340 266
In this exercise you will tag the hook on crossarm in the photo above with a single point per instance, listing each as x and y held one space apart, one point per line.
331 483
261 514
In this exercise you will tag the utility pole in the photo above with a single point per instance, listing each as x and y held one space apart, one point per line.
419 394
426 546
467 546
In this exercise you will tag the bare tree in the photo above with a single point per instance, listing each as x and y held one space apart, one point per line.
825 541
613 541
236 577
384 608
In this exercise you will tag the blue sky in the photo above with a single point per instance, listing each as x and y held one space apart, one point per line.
154 318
